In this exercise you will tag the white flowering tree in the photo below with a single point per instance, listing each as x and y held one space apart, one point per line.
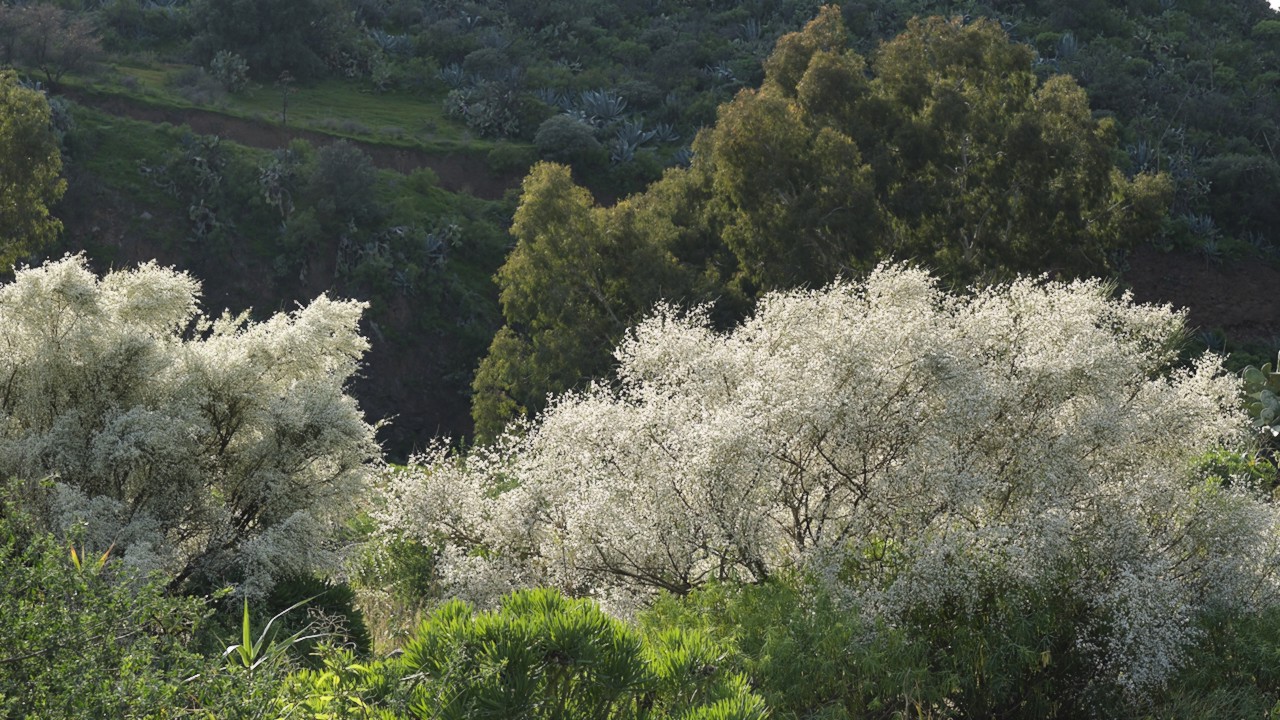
206 448
918 451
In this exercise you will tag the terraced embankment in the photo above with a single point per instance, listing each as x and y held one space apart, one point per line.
458 171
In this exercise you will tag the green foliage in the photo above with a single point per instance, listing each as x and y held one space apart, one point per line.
231 70
314 609
341 185
952 154
506 158
565 139
576 277
810 655
394 581
1234 673
423 257
48 38
539 656
87 636
491 108
30 168
272 35
270 651
1262 401
83 639
1256 471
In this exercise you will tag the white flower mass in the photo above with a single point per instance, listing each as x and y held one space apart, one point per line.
194 447
910 447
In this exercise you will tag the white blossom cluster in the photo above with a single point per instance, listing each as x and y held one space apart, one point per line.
913 447
195 446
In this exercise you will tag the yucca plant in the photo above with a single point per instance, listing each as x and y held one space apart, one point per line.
251 654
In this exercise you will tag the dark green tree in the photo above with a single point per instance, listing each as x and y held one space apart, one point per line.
951 152
30 167
573 284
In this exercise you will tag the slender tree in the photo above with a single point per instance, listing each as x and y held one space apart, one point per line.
30 168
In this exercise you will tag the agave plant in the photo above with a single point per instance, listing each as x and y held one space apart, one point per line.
82 562
1068 46
251 654
495 38
275 179
622 151
1143 155
438 242
601 107
573 65
554 98
453 75
392 44
665 133
204 221
632 133
721 72
1201 225
404 283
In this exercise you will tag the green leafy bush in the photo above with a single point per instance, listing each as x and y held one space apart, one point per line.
83 637
540 655
566 139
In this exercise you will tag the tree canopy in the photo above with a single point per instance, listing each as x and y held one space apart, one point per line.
30 171
303 37
946 150
210 449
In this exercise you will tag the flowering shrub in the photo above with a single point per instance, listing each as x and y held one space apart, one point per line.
921 453
210 449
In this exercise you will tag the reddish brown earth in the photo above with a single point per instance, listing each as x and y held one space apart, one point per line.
458 172
1238 298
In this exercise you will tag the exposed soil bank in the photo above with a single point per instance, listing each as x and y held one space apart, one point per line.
1235 297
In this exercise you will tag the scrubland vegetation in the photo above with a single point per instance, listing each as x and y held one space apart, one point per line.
796 378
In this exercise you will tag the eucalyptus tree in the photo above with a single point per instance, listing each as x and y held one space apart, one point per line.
30 171
945 148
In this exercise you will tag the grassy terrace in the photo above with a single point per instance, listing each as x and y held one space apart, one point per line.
337 107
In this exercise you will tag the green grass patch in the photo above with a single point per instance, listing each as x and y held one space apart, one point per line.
338 107
120 151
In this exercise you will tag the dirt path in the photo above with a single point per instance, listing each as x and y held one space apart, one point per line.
458 172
